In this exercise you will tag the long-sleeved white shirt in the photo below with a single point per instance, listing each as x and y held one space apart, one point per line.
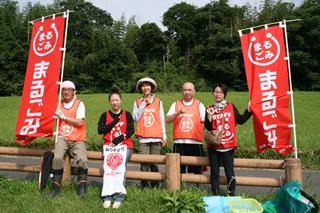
137 113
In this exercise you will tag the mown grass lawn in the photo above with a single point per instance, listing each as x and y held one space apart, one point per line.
22 196
306 112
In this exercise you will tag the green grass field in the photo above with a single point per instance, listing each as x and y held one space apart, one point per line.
23 196
306 112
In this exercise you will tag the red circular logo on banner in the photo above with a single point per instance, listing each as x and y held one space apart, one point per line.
114 160
265 51
45 39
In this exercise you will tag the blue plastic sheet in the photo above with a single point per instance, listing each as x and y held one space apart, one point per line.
218 204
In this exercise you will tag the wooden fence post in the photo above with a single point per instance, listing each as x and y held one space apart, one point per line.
293 169
173 171
66 170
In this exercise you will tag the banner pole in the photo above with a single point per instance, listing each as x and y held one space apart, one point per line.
66 15
291 92
274 23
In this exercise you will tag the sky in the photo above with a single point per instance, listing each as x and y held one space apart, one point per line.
147 10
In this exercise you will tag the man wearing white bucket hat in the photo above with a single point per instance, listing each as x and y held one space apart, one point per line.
71 138
149 115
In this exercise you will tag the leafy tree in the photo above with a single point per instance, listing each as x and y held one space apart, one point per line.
201 44
119 27
304 46
149 43
12 53
180 21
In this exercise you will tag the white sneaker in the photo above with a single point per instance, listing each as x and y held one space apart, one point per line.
116 205
106 204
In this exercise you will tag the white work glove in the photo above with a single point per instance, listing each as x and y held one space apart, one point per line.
60 114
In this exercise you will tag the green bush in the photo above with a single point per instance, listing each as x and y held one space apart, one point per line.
182 201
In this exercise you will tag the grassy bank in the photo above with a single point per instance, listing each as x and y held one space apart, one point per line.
306 111
23 196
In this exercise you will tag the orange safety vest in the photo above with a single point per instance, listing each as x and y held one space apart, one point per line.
68 131
117 130
188 125
229 127
149 124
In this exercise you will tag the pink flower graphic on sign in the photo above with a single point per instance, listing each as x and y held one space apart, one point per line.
114 160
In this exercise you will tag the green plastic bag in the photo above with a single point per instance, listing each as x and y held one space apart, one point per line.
291 199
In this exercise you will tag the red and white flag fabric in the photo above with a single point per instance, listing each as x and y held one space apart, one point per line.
114 167
40 89
264 54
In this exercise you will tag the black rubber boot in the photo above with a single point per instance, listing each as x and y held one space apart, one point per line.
82 178
56 181
154 184
231 186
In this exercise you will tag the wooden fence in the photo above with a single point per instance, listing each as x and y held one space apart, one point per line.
172 161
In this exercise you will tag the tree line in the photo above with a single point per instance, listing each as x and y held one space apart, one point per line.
201 44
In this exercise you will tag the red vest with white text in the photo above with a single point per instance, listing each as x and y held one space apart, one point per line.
149 124
68 131
229 127
188 125
117 130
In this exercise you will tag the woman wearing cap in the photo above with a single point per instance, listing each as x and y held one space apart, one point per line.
224 116
117 126
149 115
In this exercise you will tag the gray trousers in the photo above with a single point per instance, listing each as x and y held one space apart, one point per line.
152 148
77 150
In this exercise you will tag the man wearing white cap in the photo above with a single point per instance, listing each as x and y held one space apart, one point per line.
149 115
187 115
71 138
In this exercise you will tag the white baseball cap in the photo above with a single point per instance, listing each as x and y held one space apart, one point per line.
68 84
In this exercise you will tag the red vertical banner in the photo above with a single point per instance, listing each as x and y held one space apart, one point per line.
265 61
40 89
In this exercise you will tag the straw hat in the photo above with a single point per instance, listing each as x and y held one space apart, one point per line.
149 80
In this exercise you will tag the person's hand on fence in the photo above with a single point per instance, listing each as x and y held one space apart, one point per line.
164 142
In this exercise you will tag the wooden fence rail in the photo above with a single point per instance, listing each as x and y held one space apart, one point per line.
172 161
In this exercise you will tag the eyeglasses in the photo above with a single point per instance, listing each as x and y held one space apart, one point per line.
217 92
